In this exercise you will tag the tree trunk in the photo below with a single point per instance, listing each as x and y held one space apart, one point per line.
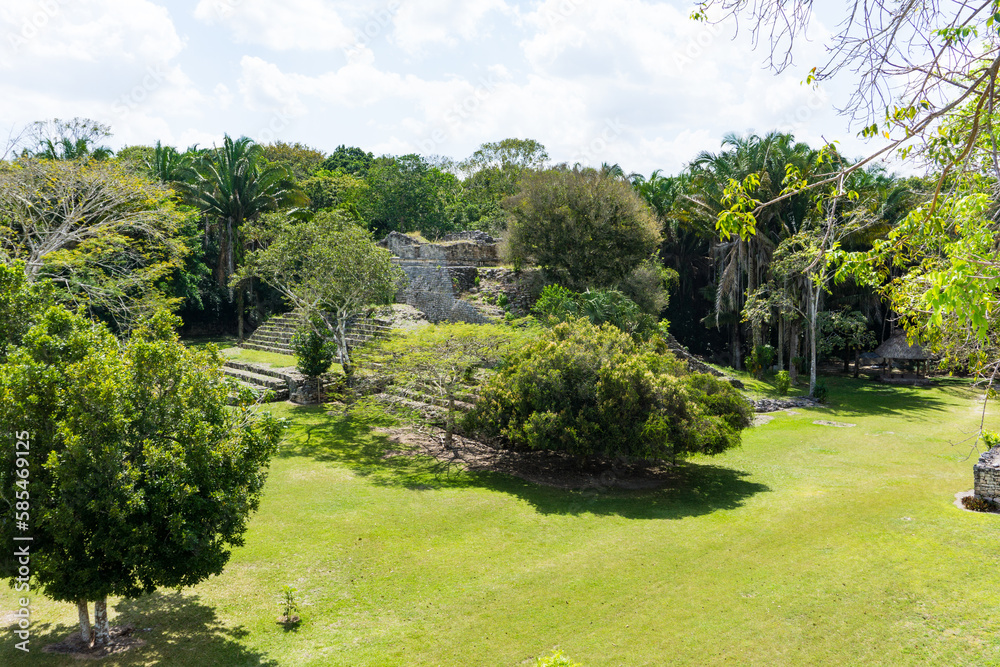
793 352
857 362
449 420
847 359
239 311
342 352
84 614
781 343
813 317
735 347
102 630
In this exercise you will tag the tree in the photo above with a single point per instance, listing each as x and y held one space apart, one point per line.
592 391
327 267
584 229
297 159
336 190
349 160
443 358
233 186
139 475
407 194
846 331
105 234
313 353
74 139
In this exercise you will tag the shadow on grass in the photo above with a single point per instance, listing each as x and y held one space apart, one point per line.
866 398
177 628
689 489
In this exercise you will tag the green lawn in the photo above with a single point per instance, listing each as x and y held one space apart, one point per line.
808 545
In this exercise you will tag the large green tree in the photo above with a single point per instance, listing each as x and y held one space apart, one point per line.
104 233
328 267
234 185
136 472
585 229
407 194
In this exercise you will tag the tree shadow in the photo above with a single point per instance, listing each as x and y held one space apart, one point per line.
866 398
178 630
688 489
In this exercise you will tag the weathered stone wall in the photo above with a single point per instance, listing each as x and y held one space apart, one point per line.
430 289
987 476
476 249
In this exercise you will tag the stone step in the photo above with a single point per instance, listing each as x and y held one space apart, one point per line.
416 395
276 373
258 391
249 377
278 349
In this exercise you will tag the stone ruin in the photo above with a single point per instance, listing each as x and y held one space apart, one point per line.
986 473
437 271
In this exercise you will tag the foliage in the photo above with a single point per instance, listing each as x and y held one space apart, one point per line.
593 391
140 475
760 360
299 160
73 139
598 306
977 504
288 603
556 659
820 391
104 234
407 194
349 160
21 303
314 352
335 190
586 229
442 358
782 381
844 330
328 267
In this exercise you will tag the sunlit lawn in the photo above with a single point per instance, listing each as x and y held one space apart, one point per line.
810 544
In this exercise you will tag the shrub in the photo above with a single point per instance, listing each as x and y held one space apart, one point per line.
599 306
820 391
782 381
557 659
760 359
314 353
593 391
977 504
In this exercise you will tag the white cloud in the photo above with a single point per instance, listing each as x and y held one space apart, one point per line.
86 31
420 24
281 25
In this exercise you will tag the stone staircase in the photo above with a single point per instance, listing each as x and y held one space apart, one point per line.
261 379
275 335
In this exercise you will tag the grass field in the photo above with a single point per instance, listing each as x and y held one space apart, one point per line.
808 545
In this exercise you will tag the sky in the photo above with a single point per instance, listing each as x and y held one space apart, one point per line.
632 82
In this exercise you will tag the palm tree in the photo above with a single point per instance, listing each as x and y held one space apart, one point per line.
233 185
742 264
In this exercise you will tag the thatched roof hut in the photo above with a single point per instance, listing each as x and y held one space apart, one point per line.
897 348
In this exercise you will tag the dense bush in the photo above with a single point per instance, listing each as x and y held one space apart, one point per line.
782 381
314 352
590 391
584 228
598 306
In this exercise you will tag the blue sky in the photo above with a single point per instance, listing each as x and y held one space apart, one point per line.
629 81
